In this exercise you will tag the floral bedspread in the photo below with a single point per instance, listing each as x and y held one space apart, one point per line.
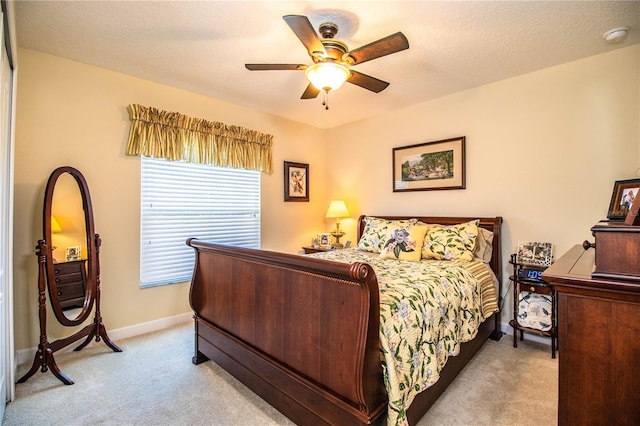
427 309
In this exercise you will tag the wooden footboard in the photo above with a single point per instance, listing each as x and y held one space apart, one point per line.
302 333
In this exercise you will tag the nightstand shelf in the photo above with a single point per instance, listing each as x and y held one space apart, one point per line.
534 304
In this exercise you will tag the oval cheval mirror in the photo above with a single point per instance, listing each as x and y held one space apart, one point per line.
68 268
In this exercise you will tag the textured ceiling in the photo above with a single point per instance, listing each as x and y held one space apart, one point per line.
203 46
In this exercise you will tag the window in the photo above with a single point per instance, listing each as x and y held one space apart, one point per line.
183 200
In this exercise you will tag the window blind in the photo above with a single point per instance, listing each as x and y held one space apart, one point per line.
182 200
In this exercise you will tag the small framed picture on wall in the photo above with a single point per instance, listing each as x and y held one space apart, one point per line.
296 181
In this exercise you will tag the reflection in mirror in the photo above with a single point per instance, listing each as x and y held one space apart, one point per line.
69 245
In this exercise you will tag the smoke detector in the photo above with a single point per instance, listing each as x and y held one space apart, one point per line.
615 35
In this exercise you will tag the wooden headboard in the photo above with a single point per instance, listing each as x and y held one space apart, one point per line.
493 224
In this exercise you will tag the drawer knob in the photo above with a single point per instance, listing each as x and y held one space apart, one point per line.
57 279
533 289
59 293
587 245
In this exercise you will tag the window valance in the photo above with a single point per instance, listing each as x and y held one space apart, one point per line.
176 137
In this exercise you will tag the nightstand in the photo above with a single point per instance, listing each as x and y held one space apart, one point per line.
534 303
309 250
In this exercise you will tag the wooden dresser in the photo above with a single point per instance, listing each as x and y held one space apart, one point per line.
599 343
71 283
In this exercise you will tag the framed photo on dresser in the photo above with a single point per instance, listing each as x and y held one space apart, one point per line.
624 193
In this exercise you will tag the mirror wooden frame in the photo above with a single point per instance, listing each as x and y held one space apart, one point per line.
44 358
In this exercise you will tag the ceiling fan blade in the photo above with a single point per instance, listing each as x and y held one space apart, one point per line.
310 92
271 67
385 46
302 28
367 82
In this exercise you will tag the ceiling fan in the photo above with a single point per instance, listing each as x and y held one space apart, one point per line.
332 59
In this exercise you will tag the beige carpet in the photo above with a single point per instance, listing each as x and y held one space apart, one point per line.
153 382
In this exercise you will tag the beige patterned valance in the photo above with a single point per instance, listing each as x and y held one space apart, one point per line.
176 137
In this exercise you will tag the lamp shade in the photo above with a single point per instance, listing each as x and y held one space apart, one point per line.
55 226
337 208
327 76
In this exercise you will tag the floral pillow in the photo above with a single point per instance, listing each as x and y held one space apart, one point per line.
404 243
451 242
376 231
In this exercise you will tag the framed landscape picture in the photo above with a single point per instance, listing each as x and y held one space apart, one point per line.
429 166
296 181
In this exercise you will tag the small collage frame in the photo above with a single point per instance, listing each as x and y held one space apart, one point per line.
73 253
535 253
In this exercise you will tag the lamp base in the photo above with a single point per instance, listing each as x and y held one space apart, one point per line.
337 235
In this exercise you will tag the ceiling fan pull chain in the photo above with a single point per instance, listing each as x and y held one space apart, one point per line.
325 102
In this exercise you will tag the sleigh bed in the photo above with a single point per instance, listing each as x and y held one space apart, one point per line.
304 332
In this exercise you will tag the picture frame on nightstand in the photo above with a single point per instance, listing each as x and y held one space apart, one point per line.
535 253
324 239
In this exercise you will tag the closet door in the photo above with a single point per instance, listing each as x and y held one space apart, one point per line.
6 226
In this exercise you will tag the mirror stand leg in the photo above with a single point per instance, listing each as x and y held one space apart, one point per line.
102 332
99 332
86 341
34 367
51 362
44 360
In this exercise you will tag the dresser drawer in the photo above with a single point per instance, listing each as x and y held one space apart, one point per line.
70 291
69 278
536 288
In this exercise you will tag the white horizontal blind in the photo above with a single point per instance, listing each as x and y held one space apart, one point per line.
183 200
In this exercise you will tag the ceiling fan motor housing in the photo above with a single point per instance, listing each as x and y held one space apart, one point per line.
328 30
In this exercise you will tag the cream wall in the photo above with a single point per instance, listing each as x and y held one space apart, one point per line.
72 114
542 150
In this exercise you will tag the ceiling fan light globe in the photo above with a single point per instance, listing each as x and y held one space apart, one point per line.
327 76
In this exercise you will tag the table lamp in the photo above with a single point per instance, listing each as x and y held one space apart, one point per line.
337 209
55 228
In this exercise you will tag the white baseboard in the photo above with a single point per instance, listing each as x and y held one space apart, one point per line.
26 355
148 327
